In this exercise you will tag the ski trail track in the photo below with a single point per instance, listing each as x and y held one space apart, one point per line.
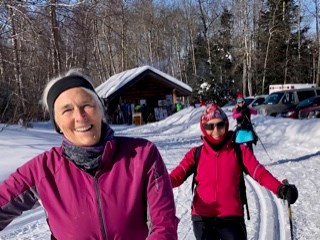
296 166
267 218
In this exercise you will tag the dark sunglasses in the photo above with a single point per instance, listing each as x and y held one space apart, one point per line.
211 126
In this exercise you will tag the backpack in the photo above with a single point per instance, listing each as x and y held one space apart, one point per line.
242 185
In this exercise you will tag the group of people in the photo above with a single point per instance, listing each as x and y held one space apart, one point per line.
100 186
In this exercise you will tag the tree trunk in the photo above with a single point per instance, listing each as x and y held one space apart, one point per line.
245 60
205 33
286 61
16 61
318 44
55 38
267 52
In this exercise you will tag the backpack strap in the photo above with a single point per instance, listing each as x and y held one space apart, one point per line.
238 151
196 161
244 170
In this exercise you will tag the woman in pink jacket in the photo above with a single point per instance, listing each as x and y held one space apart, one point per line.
217 209
95 185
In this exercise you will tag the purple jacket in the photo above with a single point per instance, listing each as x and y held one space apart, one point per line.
130 196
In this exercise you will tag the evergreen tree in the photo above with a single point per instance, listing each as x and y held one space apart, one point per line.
214 80
281 44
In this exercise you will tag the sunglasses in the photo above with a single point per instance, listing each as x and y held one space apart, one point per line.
211 126
240 100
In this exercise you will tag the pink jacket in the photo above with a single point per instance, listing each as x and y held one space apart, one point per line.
111 205
217 191
236 114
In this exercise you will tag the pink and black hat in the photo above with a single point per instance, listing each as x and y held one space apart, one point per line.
211 112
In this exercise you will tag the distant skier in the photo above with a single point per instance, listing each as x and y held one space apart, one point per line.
244 132
217 206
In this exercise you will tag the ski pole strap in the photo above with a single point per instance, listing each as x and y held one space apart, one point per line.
244 170
194 170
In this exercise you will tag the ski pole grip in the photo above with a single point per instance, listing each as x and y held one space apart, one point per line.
285 182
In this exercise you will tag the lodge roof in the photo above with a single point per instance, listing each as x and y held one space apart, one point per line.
147 76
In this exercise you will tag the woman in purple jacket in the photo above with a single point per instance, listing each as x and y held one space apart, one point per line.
95 185
217 209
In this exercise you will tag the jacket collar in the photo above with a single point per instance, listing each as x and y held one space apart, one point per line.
225 144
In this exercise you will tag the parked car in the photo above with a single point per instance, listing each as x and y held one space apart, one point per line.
252 102
307 103
279 103
310 112
231 104
258 100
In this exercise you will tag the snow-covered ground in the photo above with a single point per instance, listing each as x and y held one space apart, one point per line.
288 148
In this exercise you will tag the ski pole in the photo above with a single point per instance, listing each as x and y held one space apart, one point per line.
264 148
286 182
259 140
290 220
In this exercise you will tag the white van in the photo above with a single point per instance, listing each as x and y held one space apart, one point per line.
281 87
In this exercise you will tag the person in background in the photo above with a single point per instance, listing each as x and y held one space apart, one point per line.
179 106
217 209
244 132
202 101
137 108
193 103
144 113
95 185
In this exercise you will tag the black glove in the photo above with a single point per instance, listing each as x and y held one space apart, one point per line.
288 192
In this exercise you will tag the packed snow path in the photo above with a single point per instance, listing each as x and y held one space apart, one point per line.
293 153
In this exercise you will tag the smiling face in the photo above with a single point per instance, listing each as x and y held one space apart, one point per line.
78 116
219 128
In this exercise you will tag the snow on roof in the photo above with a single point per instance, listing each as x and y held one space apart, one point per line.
119 80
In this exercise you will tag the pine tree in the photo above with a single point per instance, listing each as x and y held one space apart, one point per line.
280 51
214 80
